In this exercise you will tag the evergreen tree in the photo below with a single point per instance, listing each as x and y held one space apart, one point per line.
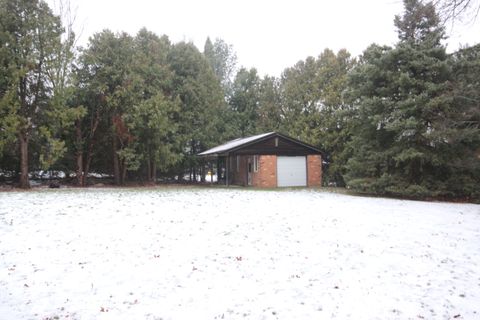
269 105
370 90
463 127
107 90
223 60
301 99
152 125
333 131
245 100
401 143
313 106
202 105
152 118
32 55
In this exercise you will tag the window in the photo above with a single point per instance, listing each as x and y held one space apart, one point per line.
256 163
238 163
276 142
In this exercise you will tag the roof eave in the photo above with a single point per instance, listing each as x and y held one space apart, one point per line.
226 152
213 155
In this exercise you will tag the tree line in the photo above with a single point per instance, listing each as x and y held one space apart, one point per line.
401 120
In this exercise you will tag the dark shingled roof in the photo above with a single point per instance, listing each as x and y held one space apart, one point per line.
243 142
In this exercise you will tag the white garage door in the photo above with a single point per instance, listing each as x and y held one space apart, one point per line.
291 172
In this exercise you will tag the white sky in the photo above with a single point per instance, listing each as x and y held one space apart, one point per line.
266 34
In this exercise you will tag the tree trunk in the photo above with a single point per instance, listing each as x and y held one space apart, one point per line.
202 172
149 169
87 165
80 172
116 164
24 183
124 172
154 171
193 168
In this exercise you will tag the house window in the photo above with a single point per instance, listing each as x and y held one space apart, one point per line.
276 142
256 163
238 163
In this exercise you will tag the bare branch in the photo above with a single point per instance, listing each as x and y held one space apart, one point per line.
453 10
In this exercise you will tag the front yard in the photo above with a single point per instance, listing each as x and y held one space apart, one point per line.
206 253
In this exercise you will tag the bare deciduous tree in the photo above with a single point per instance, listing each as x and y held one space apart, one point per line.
452 10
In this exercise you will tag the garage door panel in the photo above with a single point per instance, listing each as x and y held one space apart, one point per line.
291 171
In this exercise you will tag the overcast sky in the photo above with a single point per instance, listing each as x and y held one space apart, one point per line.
266 34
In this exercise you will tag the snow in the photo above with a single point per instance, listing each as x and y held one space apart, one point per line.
208 178
217 253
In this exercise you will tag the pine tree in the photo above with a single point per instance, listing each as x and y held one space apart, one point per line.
463 127
403 99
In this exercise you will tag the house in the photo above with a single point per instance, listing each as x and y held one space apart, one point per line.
267 160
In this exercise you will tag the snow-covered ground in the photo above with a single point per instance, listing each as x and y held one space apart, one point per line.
208 253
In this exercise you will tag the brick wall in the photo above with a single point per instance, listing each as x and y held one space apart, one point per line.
314 170
266 177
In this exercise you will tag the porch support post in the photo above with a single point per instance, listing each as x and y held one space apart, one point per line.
211 171
218 170
227 171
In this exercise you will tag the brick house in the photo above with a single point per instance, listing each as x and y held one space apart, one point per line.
267 160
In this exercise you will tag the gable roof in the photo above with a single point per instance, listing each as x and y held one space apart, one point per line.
240 143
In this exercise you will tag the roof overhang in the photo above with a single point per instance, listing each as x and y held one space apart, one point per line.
237 144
